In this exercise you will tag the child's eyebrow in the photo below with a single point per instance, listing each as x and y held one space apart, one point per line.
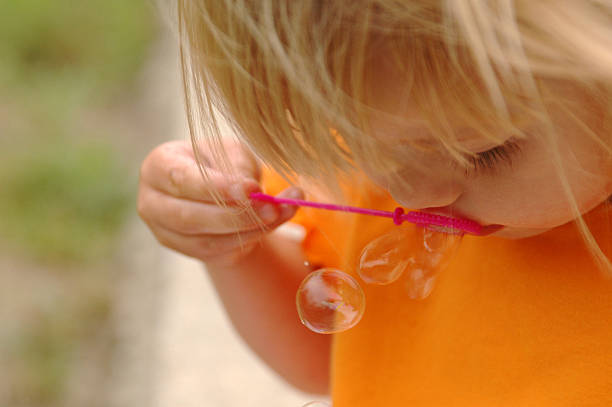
466 137
427 140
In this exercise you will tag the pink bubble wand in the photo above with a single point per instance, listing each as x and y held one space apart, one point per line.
438 222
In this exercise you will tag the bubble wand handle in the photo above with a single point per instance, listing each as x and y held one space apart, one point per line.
398 215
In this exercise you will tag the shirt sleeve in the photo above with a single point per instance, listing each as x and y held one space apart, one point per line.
317 244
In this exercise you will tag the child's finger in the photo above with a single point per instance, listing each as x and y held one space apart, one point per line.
179 175
194 217
243 160
208 247
186 181
239 156
204 247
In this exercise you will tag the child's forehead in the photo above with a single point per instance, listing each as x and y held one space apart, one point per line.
396 118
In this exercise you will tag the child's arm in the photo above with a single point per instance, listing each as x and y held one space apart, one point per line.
259 297
256 273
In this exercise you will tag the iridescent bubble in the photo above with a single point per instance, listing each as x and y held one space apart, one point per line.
431 256
330 301
436 249
418 253
385 258
317 404
420 282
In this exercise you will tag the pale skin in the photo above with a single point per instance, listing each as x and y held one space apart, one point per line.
256 272
523 194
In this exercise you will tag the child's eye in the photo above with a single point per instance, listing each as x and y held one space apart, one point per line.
489 160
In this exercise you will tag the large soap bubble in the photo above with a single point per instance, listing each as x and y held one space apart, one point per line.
330 301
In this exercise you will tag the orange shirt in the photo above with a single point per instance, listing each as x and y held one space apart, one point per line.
509 322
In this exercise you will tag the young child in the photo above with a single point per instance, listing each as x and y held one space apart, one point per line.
495 111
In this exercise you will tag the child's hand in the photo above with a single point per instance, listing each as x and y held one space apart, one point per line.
176 203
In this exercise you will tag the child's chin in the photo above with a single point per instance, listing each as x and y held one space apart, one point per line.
517 233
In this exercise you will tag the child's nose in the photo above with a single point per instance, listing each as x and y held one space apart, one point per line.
425 192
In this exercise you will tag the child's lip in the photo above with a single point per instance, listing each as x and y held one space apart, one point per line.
490 229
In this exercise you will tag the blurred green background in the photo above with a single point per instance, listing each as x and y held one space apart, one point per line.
67 183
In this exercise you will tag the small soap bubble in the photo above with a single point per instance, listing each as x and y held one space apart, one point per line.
385 258
317 404
436 249
431 256
420 282
330 301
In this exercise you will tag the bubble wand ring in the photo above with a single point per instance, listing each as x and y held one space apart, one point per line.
448 224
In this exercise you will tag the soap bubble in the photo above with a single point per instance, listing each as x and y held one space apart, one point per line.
418 252
436 249
330 301
385 258
420 282
430 257
317 404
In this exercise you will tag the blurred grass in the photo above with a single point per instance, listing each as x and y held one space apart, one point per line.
53 339
71 50
58 60
65 201
65 191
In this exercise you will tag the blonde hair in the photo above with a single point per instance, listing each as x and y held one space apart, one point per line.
283 73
